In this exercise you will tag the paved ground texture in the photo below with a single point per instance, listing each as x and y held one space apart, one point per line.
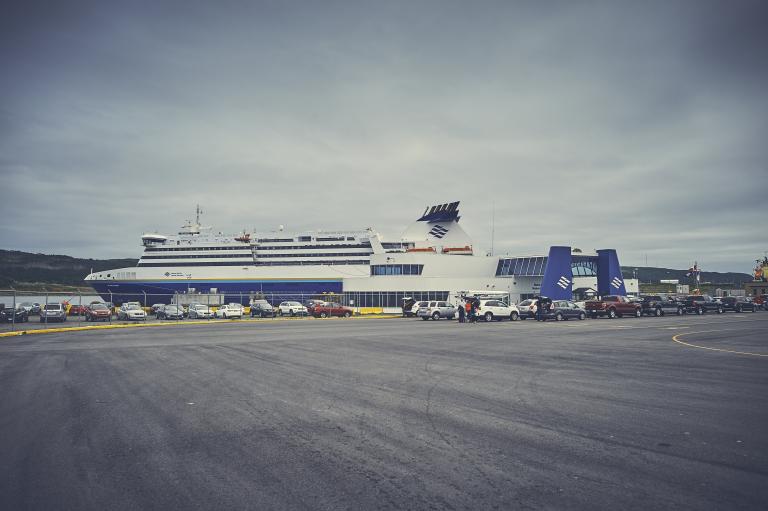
599 414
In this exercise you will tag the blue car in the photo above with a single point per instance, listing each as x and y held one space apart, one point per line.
564 309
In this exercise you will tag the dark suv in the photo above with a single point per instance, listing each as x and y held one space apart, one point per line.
700 304
737 304
655 305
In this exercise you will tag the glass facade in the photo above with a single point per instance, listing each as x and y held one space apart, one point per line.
390 298
522 266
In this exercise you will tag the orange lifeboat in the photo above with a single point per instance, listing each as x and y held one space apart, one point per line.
458 250
245 238
425 249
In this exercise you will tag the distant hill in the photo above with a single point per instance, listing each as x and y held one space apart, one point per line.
654 275
24 270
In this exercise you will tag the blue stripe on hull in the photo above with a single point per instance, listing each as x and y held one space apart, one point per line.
149 293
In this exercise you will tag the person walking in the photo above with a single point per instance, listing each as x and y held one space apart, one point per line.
462 313
472 310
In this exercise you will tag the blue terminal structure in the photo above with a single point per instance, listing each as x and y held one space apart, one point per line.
557 282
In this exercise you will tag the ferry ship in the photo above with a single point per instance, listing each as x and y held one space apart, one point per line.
434 258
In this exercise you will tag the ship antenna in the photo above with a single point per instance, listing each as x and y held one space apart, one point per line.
198 212
493 225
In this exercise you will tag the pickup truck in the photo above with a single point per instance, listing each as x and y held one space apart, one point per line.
701 304
613 306
330 309
655 305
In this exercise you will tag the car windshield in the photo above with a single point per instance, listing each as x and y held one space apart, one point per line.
132 307
201 307
53 307
98 307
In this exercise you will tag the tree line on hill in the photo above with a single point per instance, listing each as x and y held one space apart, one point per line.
655 275
24 270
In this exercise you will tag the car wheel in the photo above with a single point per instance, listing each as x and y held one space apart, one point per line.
699 311
582 316
638 313
558 317
611 313
657 312
488 317
514 316
348 314
680 311
323 315
435 316
719 310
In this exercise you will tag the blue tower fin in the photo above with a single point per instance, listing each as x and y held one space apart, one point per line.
609 278
558 275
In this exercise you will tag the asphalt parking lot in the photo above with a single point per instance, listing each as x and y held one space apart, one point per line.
600 414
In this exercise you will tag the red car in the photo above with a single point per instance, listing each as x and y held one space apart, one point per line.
98 311
613 306
77 310
331 309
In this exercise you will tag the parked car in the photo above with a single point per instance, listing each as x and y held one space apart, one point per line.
563 310
613 306
291 309
200 311
171 311
656 305
311 304
156 307
527 308
737 304
262 309
700 304
131 312
497 310
31 308
53 312
17 315
331 309
436 310
77 310
229 311
98 311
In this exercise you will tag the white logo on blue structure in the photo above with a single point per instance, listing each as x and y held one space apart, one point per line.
616 282
563 282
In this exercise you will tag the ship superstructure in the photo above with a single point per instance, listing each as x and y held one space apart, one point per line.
433 258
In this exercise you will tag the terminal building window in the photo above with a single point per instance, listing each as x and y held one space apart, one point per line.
390 298
396 269
522 266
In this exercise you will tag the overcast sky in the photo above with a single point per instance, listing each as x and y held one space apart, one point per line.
633 125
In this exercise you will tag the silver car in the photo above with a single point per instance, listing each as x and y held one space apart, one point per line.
436 310
199 310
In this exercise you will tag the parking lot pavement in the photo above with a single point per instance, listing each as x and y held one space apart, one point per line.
602 414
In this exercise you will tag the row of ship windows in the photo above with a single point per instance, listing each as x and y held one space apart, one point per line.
268 247
397 269
259 256
251 263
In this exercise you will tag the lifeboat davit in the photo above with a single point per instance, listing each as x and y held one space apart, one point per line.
458 250
425 249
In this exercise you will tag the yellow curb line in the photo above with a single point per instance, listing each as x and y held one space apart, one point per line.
676 339
38 331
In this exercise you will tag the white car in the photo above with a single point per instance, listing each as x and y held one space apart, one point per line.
291 309
230 310
199 310
527 308
498 310
131 311
436 310
417 306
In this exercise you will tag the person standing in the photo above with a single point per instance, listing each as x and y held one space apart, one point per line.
462 313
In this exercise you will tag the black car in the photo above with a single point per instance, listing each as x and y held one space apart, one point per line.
700 304
737 304
11 315
563 309
655 305
262 309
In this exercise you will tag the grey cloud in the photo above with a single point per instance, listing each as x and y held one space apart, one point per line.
593 124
